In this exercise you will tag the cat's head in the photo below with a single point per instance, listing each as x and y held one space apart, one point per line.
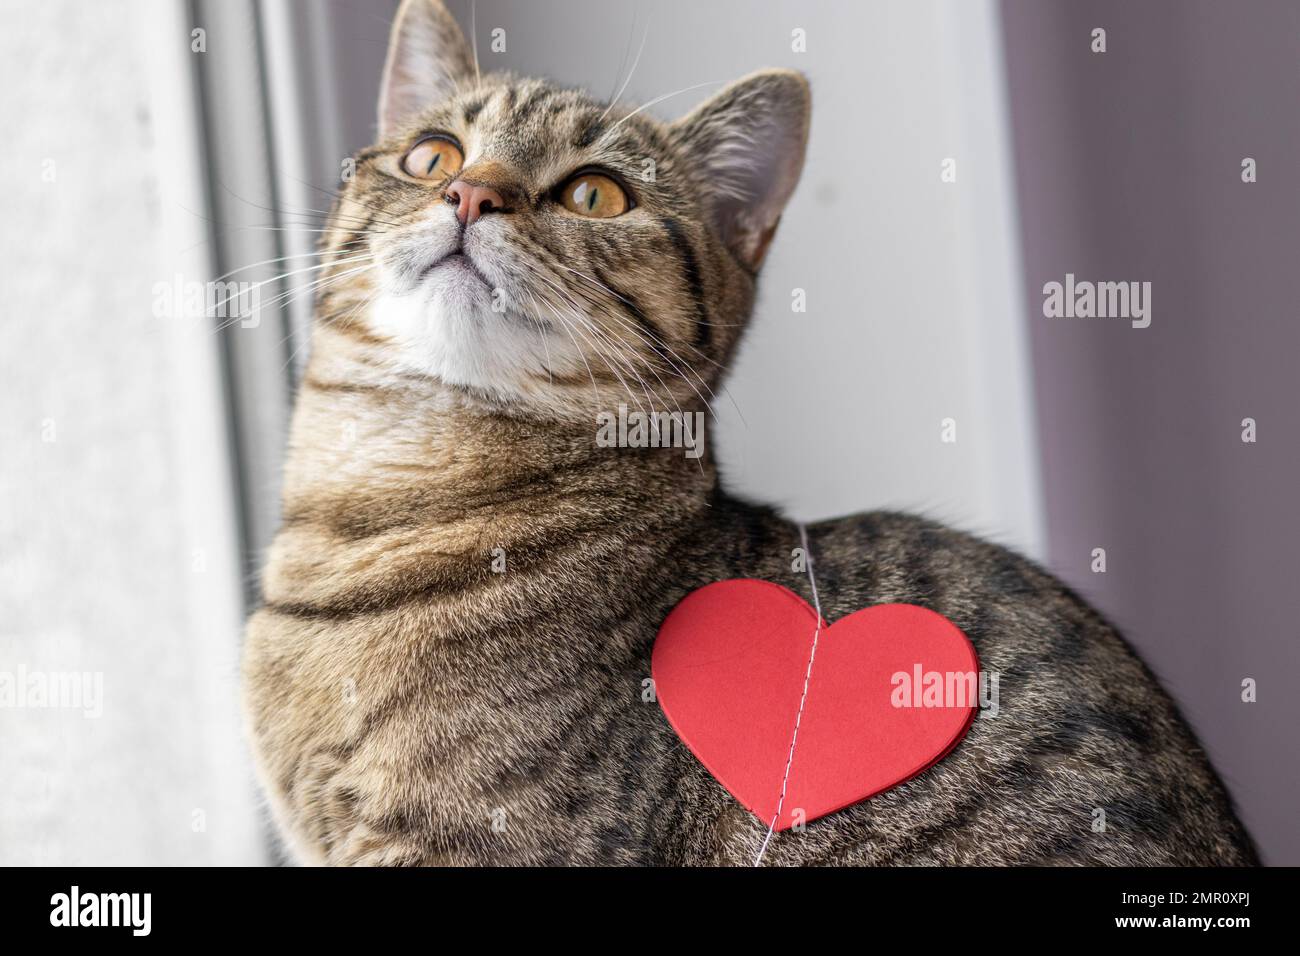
534 248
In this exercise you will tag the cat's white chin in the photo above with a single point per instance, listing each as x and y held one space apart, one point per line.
446 327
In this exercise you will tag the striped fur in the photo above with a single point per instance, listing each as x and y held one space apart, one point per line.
411 702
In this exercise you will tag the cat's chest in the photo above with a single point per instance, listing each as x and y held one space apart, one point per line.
484 683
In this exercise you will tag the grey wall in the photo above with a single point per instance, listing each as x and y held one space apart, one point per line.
1128 167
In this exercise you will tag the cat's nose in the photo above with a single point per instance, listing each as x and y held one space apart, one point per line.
473 201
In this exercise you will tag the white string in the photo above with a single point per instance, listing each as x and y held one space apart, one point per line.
794 738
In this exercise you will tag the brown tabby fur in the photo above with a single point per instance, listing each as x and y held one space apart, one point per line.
409 705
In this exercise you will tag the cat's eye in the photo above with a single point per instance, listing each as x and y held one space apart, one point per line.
595 195
433 158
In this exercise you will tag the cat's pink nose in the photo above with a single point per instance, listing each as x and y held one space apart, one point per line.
473 201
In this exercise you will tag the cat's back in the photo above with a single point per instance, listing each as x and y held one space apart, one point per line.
1082 757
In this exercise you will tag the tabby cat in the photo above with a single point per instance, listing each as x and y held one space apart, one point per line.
460 606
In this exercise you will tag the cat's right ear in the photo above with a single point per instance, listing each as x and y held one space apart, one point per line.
427 59
749 140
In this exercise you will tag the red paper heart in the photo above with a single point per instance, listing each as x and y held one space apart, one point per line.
729 666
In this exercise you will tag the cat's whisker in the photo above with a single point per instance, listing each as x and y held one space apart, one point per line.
342 198
627 48
326 214
656 101
630 357
296 227
604 357
257 285
595 390
633 356
656 340
473 36
544 334
620 353
614 99
228 230
653 341
284 299
652 418
266 262
357 224
649 335
316 285
583 320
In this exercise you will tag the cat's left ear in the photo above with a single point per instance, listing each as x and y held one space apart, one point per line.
750 141
427 59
